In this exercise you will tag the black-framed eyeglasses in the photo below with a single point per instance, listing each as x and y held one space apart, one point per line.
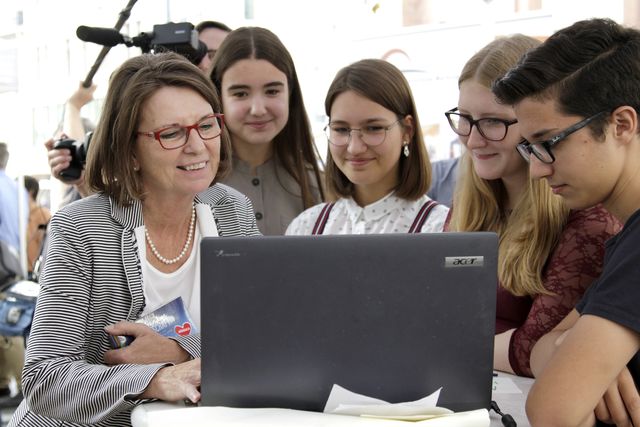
490 128
372 135
176 136
542 149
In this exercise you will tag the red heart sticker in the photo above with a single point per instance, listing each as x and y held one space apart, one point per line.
183 330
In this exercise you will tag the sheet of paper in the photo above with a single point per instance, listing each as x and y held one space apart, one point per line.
479 417
345 402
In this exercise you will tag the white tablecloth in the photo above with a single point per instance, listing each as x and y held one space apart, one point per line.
510 392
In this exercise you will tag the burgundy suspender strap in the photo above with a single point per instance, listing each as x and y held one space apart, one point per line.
318 228
422 216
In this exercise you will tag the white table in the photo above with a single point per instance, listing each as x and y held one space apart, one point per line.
510 392
511 401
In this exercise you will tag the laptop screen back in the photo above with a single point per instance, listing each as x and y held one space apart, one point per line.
391 316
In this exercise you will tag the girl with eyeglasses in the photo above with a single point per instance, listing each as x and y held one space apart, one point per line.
377 162
548 254
275 161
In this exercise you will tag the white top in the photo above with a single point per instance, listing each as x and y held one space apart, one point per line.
390 214
161 288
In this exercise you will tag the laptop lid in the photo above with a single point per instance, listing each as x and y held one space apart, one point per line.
393 316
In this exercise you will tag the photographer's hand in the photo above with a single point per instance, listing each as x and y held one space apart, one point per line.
147 347
59 160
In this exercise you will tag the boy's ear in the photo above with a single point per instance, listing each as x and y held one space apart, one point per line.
624 122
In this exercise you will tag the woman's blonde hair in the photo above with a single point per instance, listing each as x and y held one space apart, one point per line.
529 233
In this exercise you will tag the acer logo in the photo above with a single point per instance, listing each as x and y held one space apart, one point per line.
464 261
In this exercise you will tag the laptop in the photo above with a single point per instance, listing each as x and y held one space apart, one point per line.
390 316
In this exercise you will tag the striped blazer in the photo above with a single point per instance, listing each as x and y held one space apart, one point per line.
92 278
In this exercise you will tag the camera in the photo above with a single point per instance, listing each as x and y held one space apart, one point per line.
178 37
78 150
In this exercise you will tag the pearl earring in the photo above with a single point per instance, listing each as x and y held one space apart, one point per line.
405 150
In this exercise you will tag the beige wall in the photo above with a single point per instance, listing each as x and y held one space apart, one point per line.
632 13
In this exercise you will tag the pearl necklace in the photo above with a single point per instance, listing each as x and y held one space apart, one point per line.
184 249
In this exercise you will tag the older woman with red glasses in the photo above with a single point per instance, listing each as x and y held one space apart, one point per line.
131 248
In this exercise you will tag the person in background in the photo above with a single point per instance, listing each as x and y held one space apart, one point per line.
130 248
211 33
9 208
39 217
444 174
377 161
275 162
74 126
11 348
548 255
577 98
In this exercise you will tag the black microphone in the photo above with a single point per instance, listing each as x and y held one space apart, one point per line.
102 36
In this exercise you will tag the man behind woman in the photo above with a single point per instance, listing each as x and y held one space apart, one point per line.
548 255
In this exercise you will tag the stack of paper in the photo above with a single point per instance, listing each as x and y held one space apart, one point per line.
345 402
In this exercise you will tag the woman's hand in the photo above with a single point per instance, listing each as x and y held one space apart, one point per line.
147 347
175 383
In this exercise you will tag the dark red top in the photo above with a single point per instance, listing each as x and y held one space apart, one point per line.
573 265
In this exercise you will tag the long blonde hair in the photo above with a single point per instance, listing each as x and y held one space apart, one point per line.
529 233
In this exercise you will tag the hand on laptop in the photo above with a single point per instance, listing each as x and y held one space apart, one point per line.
175 383
148 346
